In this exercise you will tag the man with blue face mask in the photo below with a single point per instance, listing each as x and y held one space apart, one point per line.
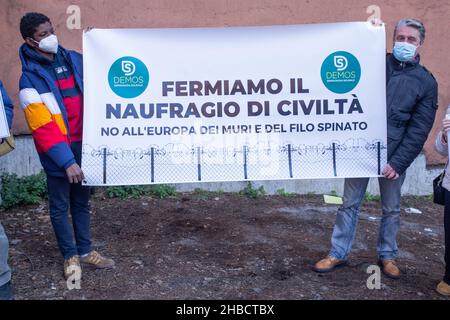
411 108
51 96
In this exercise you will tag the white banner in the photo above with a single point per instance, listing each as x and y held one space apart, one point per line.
232 104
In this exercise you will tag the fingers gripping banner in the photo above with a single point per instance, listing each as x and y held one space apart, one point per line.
233 104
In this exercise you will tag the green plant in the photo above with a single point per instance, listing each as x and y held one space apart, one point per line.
283 193
371 197
333 193
251 192
163 191
17 191
205 194
423 198
124 192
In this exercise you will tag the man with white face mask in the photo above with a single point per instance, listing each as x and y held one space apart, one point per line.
51 96
411 96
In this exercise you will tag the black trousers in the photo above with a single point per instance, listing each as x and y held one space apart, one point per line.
447 236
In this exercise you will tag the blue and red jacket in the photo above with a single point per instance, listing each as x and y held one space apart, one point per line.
8 105
53 106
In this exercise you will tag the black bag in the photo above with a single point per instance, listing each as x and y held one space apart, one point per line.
438 190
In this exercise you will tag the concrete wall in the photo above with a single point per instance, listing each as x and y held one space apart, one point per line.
24 161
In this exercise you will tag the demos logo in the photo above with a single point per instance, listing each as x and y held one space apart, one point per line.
341 72
128 77
128 67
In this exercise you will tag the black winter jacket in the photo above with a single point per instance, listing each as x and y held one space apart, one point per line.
412 95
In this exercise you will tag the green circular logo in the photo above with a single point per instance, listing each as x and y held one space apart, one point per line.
128 77
341 72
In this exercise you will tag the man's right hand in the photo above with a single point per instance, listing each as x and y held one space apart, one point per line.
390 173
74 173
1 140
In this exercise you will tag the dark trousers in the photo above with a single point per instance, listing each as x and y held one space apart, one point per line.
447 236
63 195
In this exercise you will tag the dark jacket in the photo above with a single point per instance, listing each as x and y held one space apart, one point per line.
412 94
45 111
8 105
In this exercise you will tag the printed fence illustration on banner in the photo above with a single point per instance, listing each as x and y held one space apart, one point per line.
180 163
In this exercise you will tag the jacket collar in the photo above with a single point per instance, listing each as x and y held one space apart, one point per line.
399 65
30 57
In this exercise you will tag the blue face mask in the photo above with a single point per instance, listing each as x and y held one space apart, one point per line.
404 51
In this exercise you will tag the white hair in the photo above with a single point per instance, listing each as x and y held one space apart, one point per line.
416 24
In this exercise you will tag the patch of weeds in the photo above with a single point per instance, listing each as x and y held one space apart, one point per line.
205 194
125 192
250 192
17 191
162 191
333 193
371 197
284 193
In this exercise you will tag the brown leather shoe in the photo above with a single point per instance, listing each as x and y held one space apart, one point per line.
328 264
390 269
443 288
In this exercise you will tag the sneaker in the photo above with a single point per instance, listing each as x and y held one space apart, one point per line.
70 266
390 269
96 260
328 264
443 288
6 292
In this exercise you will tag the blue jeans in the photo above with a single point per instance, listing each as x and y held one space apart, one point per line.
61 196
5 271
347 217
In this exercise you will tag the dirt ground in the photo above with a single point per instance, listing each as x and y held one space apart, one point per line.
209 246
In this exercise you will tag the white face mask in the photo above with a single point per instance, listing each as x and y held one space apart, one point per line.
49 44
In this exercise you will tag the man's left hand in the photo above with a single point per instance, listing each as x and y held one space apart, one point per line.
390 173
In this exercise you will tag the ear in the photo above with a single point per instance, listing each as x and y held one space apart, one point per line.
31 42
